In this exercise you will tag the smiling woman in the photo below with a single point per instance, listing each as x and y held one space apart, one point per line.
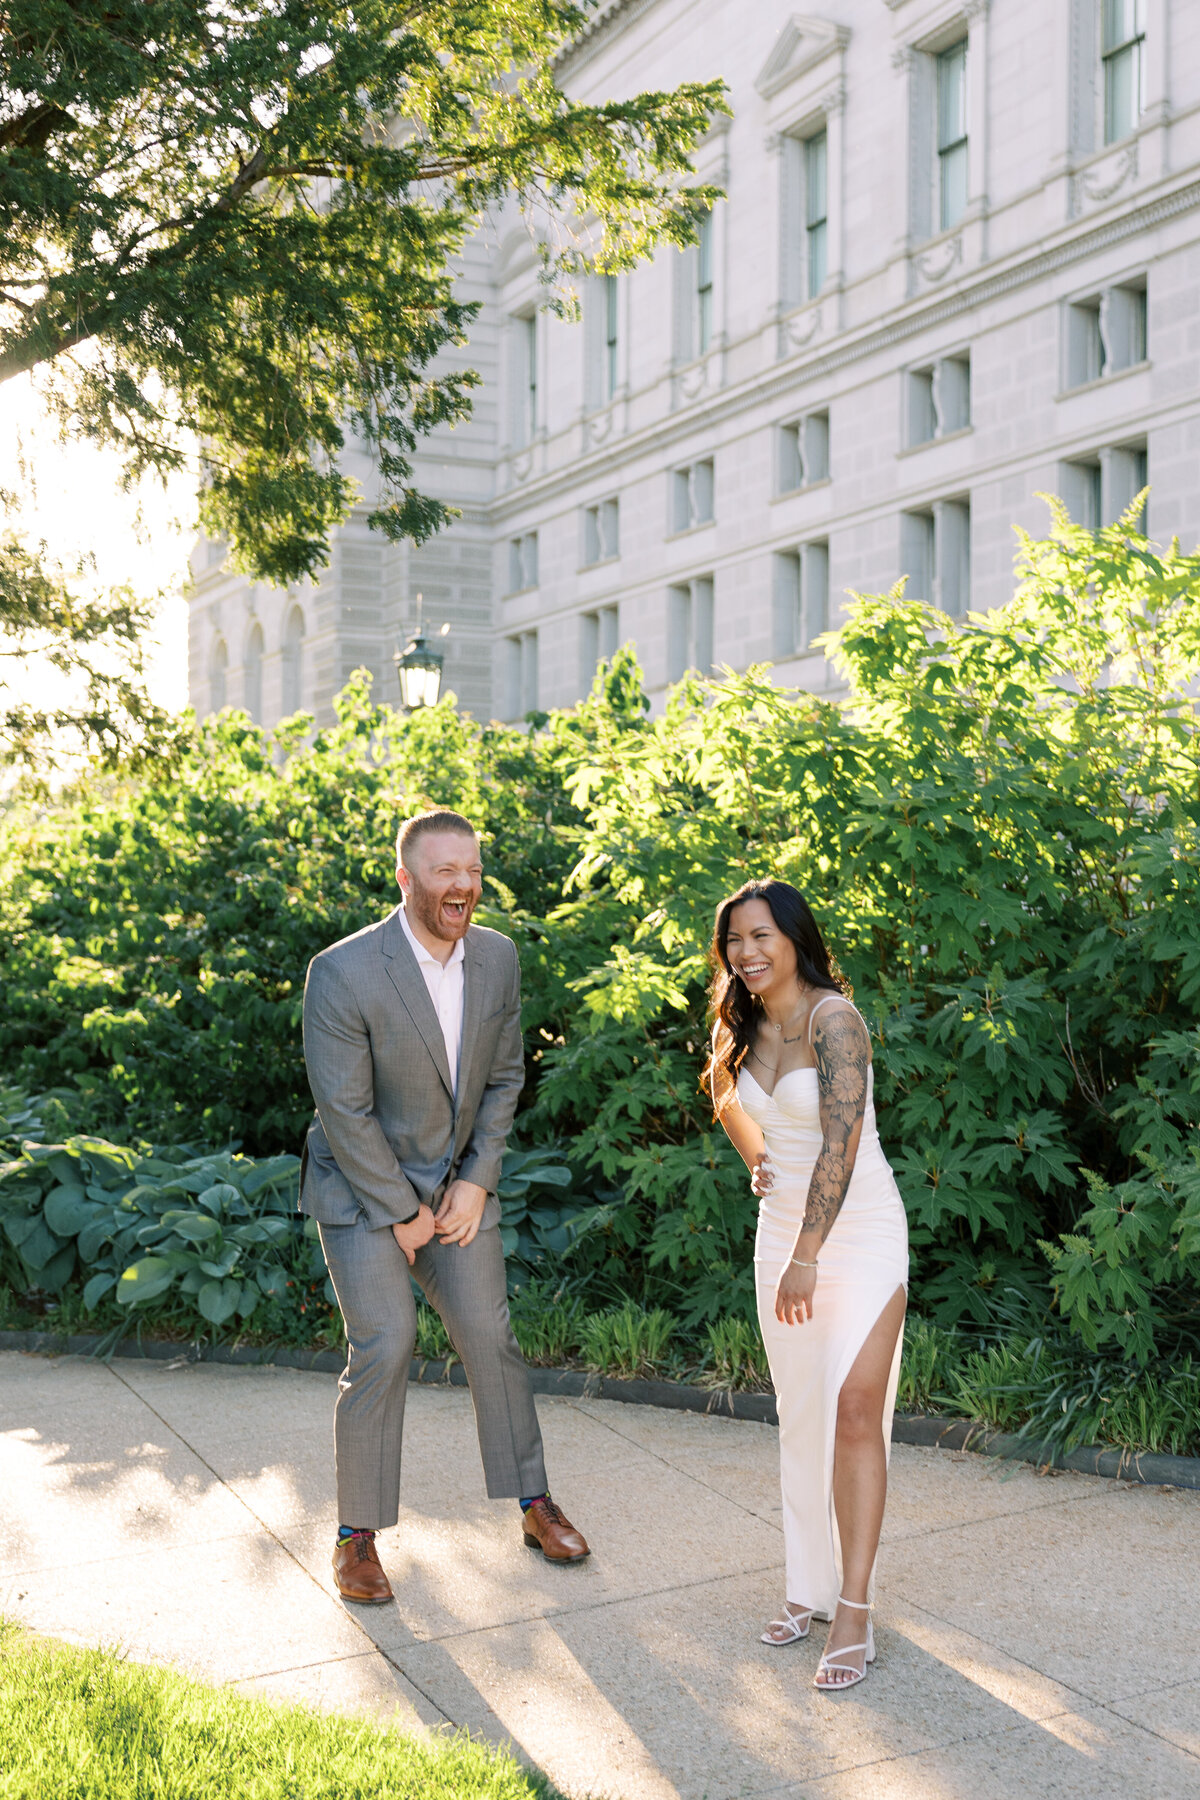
793 1086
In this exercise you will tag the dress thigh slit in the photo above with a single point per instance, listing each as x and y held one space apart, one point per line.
809 1365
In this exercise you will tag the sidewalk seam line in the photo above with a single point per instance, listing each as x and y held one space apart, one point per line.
275 1539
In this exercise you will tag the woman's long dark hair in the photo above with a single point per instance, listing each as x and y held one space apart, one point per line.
734 1010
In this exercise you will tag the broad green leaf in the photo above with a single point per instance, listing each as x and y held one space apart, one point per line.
144 1280
67 1210
218 1300
95 1289
193 1227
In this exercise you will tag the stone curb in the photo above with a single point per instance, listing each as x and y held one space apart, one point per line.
1150 1469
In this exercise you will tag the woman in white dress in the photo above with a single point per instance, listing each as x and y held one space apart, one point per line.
791 1080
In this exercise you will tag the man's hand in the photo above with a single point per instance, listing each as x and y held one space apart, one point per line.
460 1212
417 1232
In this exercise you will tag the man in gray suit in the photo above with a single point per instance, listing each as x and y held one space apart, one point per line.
412 1041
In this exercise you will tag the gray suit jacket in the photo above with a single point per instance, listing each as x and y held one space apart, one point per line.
389 1131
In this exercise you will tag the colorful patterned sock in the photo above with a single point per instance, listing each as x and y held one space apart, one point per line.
526 1504
346 1532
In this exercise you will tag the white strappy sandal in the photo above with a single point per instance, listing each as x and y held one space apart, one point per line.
830 1661
790 1623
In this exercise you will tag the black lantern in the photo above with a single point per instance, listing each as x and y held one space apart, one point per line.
419 667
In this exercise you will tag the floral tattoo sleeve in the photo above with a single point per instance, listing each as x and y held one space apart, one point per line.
843 1053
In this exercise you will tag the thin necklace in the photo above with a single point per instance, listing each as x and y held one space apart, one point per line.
774 1026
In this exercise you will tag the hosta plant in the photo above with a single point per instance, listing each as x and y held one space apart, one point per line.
211 1236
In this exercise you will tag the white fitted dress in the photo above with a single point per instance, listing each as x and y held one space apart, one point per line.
862 1262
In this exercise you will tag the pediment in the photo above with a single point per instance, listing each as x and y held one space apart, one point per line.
803 42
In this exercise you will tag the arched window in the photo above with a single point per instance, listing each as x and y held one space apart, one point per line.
293 644
218 663
254 656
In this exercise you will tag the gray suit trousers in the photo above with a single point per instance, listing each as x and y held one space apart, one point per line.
370 1276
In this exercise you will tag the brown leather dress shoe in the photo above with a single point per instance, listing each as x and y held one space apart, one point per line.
549 1530
359 1573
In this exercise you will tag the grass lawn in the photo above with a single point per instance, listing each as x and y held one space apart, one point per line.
84 1725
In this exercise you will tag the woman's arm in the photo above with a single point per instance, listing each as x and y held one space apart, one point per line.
743 1134
843 1052
741 1131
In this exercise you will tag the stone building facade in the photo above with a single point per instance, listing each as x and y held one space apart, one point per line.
958 265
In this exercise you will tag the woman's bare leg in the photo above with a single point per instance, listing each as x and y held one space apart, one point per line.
860 1474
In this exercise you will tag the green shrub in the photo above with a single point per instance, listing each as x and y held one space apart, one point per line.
627 1340
546 1321
433 1341
1159 1411
928 1356
1001 1384
194 1242
736 1355
1125 1272
1000 834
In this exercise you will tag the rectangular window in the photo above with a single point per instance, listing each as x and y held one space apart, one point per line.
511 701
816 447
679 630
523 562
952 134
529 671
529 331
1105 333
520 674
803 452
952 394
786 622
1124 473
1122 53
1079 488
815 593
690 627
610 336
935 552
704 285
791 457
601 528
938 399
589 650
1123 326
801 598
916 554
815 212
610 631
1086 359
599 638
952 556
692 494
919 415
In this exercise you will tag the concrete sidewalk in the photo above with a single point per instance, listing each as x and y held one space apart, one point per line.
1036 1634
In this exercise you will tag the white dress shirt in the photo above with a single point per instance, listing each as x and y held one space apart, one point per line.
445 984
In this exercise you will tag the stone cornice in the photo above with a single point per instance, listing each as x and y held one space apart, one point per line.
609 19
916 316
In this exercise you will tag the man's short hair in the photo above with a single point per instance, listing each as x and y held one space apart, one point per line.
413 830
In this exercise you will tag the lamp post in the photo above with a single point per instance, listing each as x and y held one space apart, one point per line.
419 666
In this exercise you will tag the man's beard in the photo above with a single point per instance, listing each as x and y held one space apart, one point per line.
428 909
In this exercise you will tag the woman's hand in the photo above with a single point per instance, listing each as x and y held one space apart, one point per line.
794 1295
762 1176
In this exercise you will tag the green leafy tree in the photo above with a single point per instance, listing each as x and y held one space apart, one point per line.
95 642
236 226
